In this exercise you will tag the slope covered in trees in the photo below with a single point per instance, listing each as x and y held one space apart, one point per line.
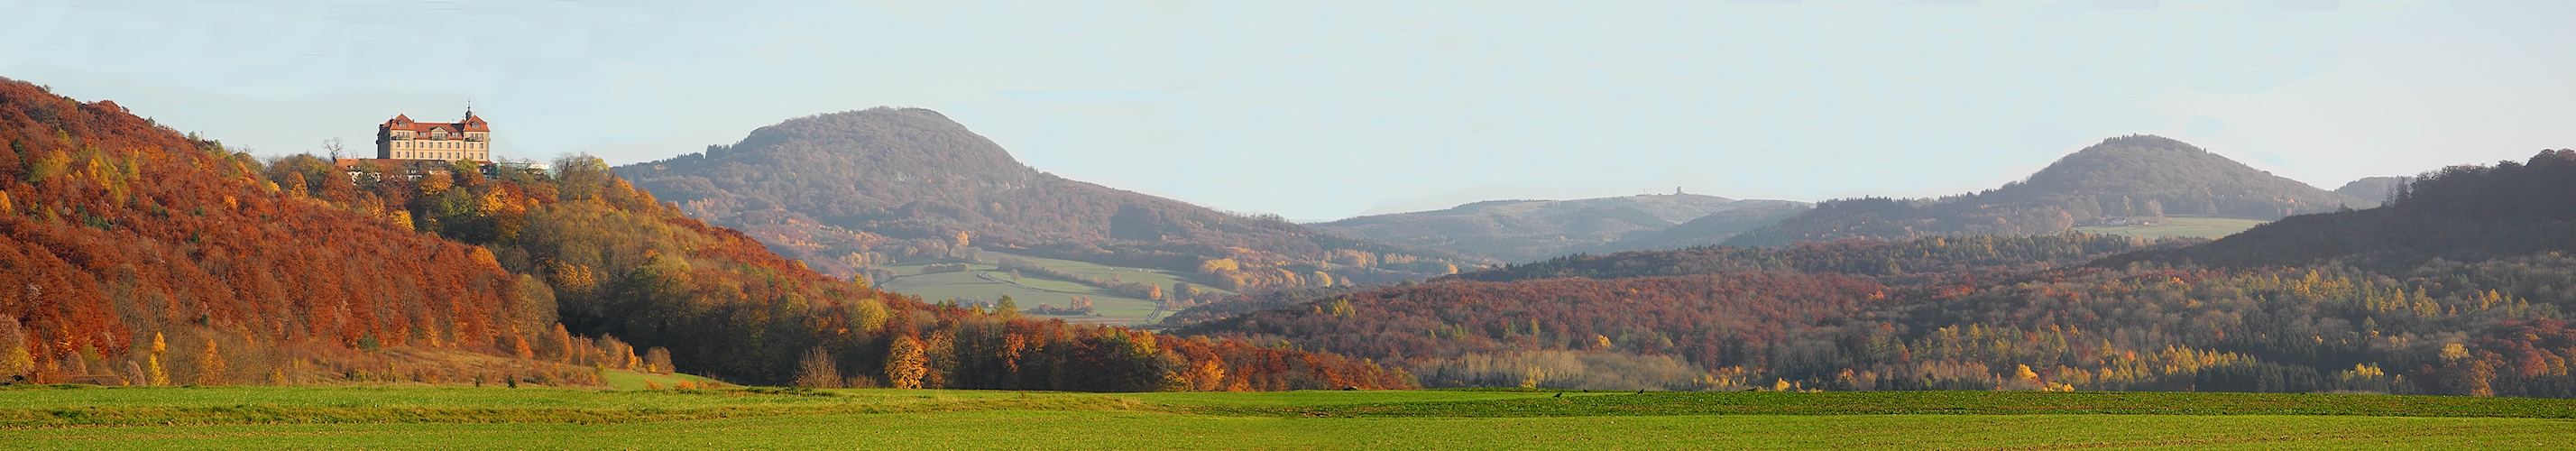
2459 213
1708 230
128 248
1652 329
855 190
2460 286
619 263
2123 177
2373 188
1909 262
1522 230
2147 328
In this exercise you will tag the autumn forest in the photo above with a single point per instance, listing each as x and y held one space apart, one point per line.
140 256
135 254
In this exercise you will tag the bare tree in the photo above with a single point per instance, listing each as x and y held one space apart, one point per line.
817 370
332 146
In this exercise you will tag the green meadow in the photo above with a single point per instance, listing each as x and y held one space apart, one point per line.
54 417
2179 227
637 380
981 281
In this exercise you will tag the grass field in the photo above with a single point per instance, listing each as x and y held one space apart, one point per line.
632 380
485 418
2180 226
1147 275
983 283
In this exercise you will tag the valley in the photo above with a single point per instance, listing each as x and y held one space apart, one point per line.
1523 230
2175 227
982 282
1655 224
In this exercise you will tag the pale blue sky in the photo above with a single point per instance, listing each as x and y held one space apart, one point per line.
1322 110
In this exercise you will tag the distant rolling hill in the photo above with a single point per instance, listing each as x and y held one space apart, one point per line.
862 191
1522 230
2121 181
2457 287
2460 214
2373 188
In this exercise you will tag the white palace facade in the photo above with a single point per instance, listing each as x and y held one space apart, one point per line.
404 139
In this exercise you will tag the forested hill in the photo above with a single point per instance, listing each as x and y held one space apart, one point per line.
853 190
2373 188
2123 177
2460 286
134 255
1909 262
2460 213
1522 230
122 241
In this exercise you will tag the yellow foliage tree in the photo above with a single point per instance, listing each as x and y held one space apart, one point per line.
519 347
435 184
153 372
1218 265
905 364
868 315
211 366
14 359
1207 375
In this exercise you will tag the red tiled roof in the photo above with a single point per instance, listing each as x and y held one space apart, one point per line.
471 123
388 164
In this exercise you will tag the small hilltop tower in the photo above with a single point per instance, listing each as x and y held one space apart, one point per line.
404 139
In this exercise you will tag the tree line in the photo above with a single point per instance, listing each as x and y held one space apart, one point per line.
2344 301
128 250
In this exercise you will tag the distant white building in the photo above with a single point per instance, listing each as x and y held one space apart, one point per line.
410 149
404 139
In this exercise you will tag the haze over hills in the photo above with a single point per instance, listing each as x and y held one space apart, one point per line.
1709 230
2373 188
1521 230
853 191
2121 180
117 230
134 255
2458 287
2458 214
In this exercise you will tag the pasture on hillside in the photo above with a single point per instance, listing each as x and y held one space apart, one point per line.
982 281
75 417
2179 227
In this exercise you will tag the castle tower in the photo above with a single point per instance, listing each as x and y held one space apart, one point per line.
404 139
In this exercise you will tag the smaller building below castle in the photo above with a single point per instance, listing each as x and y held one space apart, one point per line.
404 139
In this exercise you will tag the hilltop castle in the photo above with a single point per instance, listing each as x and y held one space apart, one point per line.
403 139
410 149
